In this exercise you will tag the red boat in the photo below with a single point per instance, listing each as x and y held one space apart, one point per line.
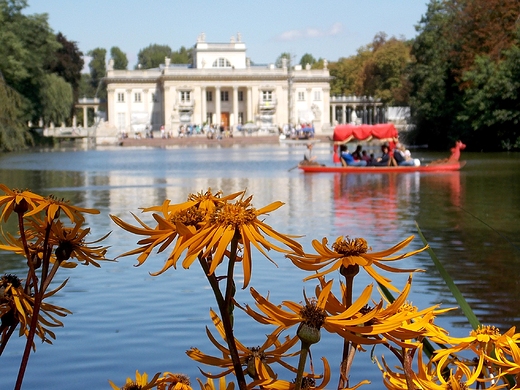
384 133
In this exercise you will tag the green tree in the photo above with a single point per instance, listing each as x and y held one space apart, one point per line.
26 44
153 56
434 96
98 70
307 59
67 63
119 58
57 99
384 70
492 100
13 131
182 56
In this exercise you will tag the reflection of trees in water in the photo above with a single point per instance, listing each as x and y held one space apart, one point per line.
484 265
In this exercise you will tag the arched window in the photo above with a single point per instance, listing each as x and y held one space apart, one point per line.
221 63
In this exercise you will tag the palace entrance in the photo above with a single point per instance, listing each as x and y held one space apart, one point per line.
224 119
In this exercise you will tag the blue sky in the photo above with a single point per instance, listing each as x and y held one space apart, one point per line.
328 29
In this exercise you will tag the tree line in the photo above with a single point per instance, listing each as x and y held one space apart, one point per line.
460 75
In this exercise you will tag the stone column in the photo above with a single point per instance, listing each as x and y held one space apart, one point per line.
343 114
203 107
217 105
249 105
128 115
234 116
147 103
85 117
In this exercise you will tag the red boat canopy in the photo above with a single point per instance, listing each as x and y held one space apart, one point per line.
383 131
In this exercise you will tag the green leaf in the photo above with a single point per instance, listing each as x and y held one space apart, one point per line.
463 304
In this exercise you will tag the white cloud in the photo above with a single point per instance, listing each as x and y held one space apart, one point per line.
293 35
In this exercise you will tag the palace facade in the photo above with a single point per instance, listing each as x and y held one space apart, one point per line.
220 87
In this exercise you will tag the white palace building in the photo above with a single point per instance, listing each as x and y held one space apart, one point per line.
221 86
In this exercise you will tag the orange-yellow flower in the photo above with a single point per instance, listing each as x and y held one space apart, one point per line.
398 322
236 220
313 313
16 200
171 381
271 351
16 307
350 252
140 382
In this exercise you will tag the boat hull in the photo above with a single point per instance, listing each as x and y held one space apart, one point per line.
444 167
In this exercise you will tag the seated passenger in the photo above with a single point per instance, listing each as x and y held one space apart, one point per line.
385 159
402 158
366 157
349 159
357 154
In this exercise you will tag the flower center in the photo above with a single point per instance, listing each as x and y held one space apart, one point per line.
312 315
485 331
350 247
188 217
234 215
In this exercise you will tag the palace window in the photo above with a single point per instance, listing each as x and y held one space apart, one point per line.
317 95
185 96
267 96
240 117
209 117
301 96
155 99
221 63
240 96
120 97
209 96
224 96
137 97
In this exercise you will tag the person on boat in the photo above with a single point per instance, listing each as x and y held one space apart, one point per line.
357 153
366 157
385 159
401 157
348 159
308 156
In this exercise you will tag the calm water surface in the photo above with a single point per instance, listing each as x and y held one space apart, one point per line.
124 319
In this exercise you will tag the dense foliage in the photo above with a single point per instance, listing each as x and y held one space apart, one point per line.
465 75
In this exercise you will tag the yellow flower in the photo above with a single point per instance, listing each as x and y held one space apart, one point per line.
239 219
210 385
179 221
53 207
16 307
347 252
271 351
18 201
398 322
171 381
70 243
484 342
140 382
268 381
312 314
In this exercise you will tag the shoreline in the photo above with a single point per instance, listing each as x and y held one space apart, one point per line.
203 140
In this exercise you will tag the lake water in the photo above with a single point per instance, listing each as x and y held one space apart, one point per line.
124 319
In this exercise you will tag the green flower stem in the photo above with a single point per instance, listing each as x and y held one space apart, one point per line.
348 348
30 340
225 310
31 274
301 364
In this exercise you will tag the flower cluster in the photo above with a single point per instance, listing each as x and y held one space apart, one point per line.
221 232
50 236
